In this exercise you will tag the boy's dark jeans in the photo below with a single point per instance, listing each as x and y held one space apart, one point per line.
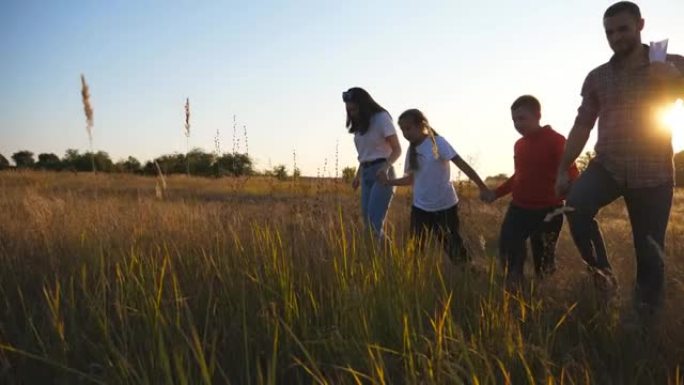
444 225
521 224
649 212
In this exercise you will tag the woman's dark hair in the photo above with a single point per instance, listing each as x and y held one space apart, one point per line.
417 117
367 108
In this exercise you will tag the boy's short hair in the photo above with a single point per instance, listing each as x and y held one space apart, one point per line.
527 101
623 6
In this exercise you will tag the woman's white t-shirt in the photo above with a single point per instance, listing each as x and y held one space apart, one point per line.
432 187
372 145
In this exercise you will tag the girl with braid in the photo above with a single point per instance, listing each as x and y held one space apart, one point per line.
427 169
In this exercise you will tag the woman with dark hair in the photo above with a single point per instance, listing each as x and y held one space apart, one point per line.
378 148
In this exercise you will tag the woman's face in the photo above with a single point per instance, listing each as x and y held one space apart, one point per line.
352 109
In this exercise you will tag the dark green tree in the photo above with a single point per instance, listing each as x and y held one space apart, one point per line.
200 162
280 172
235 165
130 165
348 174
4 163
48 161
23 159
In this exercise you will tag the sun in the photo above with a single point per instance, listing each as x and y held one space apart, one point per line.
673 118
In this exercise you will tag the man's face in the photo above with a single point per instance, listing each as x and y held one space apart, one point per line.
623 32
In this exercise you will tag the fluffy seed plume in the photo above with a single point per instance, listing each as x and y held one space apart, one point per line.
88 109
244 127
187 117
337 157
217 144
160 187
234 136
187 135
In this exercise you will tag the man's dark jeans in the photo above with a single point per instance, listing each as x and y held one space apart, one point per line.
649 212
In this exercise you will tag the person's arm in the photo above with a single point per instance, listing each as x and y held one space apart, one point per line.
386 126
505 188
393 142
573 172
356 182
577 139
406 180
465 167
579 135
587 114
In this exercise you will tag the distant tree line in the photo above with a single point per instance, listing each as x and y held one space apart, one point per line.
202 164
196 161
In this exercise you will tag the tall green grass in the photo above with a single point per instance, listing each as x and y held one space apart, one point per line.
271 284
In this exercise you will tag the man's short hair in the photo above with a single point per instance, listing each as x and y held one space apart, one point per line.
527 101
623 6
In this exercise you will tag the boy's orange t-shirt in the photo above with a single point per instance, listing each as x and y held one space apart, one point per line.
537 157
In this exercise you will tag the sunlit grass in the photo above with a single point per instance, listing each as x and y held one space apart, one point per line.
262 282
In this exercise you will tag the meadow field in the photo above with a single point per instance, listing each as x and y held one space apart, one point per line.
259 281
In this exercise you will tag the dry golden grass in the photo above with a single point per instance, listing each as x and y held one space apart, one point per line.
258 281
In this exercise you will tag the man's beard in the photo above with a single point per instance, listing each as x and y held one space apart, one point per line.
628 49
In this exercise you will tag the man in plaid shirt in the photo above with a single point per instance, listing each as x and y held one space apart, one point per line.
633 152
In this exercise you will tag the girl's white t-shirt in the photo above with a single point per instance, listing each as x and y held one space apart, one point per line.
432 187
372 145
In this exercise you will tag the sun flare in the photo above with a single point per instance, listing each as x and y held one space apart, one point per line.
673 118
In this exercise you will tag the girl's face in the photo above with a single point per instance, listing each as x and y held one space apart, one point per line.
411 130
352 110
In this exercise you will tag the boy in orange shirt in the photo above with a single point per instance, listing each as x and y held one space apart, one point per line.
537 158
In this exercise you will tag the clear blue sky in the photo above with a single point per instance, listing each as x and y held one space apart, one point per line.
281 67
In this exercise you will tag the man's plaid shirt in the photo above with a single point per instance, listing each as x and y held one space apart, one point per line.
633 144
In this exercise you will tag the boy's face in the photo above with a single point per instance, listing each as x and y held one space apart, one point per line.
525 120
411 131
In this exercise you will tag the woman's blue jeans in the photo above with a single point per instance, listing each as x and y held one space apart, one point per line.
375 198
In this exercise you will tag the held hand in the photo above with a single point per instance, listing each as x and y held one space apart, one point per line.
382 178
355 182
382 173
562 184
487 195
383 170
